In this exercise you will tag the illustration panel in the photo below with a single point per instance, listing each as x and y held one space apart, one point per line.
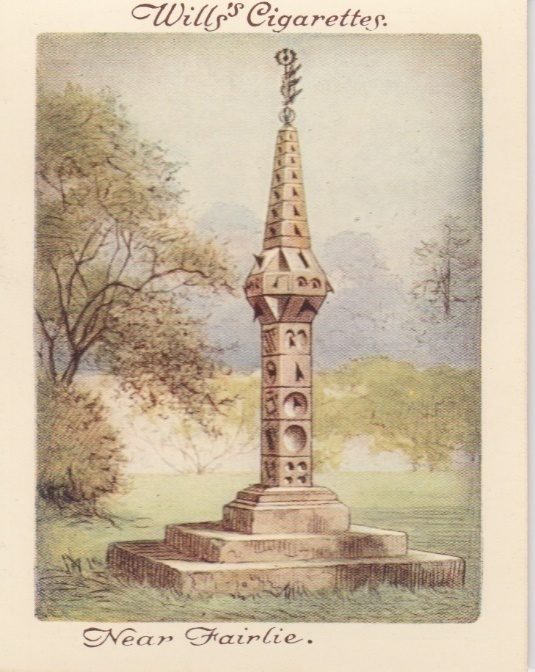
257 294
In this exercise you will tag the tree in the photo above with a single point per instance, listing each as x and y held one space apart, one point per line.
79 453
423 413
161 357
186 445
114 258
235 431
451 267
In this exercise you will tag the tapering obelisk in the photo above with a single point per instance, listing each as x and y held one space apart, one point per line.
284 534
286 288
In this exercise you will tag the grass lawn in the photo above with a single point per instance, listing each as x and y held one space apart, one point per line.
439 510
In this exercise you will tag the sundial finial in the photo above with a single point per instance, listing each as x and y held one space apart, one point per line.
288 59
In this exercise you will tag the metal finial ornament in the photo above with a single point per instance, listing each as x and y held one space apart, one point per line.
289 91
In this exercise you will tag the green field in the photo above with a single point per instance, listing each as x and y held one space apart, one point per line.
439 510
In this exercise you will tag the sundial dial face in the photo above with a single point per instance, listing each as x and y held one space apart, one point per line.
295 405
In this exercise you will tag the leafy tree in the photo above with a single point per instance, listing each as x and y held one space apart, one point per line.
114 258
161 357
424 413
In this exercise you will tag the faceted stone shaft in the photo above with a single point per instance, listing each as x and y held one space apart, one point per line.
286 444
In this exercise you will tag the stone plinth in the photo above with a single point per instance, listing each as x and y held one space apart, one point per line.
290 541
282 541
262 510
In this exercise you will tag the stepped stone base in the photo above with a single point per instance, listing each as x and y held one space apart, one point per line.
207 559
282 541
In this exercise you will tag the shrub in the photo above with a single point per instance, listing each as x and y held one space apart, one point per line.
79 453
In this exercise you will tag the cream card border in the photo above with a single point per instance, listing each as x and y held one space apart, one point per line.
497 640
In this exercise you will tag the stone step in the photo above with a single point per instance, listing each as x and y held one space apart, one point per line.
156 564
209 542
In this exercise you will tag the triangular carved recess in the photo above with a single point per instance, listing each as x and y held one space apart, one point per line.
271 260
307 306
275 305
302 309
283 262
258 312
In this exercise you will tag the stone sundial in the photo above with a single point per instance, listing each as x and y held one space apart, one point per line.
284 534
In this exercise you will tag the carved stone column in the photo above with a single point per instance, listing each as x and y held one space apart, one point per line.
286 288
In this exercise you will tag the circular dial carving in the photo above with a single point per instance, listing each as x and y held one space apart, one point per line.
295 405
294 438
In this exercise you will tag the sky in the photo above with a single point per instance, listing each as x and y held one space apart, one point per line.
390 137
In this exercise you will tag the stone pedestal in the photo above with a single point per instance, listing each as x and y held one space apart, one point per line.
261 509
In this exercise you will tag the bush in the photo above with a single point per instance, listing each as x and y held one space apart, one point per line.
79 453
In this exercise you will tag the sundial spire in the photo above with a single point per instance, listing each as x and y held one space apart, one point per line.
286 288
